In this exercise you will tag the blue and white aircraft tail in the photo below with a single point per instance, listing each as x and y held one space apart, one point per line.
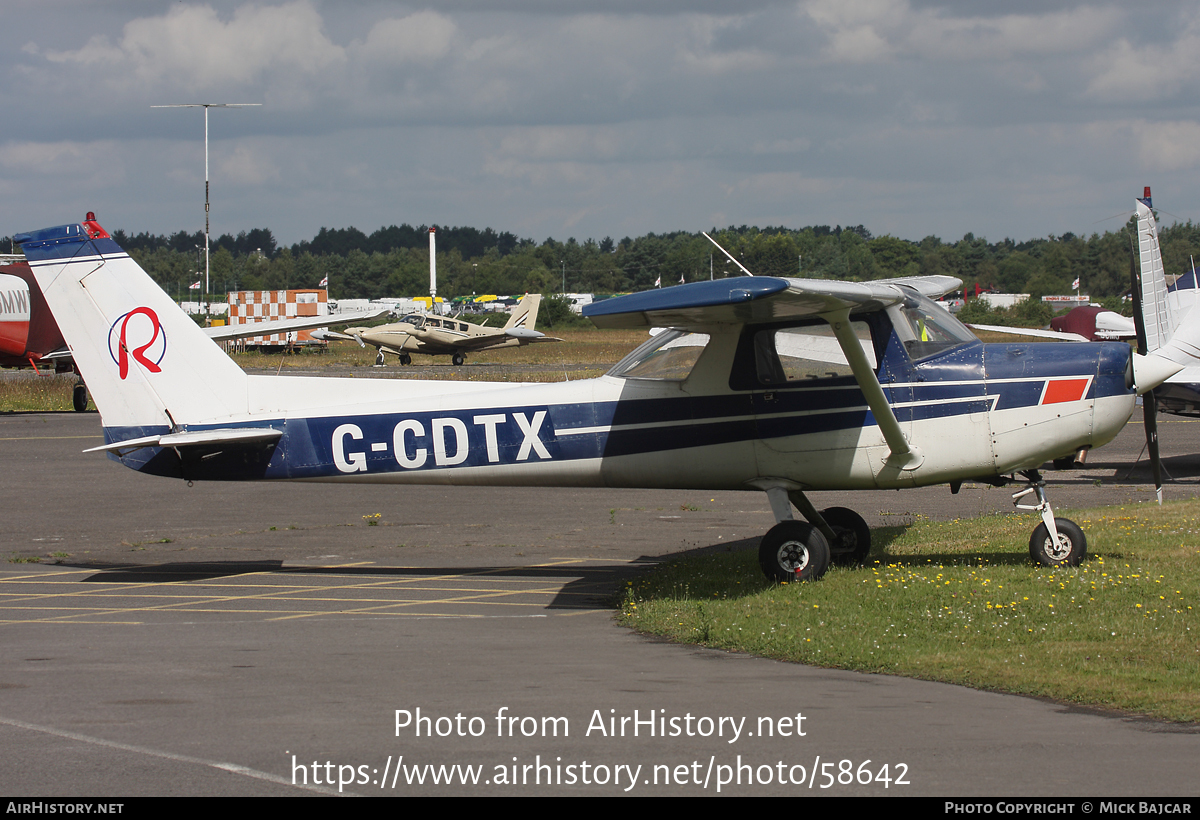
766 383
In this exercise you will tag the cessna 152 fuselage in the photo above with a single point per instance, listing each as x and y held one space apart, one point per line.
780 385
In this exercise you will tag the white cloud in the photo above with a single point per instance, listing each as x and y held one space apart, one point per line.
43 157
1150 72
1012 35
864 31
423 37
249 165
191 47
1168 146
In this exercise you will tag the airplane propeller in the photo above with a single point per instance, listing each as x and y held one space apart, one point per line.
1149 404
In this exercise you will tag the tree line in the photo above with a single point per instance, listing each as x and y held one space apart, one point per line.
394 261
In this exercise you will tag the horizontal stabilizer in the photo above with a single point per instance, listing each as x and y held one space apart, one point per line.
238 436
523 333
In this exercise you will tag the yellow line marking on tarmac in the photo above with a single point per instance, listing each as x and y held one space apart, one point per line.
205 602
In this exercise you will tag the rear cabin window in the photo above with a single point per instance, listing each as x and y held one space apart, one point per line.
669 356
806 354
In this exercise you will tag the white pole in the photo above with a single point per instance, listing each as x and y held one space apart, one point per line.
432 271
207 307
206 106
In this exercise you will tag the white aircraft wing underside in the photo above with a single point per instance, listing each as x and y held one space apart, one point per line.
754 300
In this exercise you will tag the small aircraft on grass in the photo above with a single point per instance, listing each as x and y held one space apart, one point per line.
447 335
768 383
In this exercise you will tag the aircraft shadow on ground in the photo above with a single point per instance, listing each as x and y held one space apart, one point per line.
881 539
588 587
1185 468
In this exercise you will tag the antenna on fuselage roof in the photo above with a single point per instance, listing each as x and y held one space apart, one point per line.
727 253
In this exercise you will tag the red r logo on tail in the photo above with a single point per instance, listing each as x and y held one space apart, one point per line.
120 350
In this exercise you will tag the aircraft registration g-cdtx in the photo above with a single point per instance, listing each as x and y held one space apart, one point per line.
774 384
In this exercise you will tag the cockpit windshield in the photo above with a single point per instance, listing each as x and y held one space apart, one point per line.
668 356
927 329
414 319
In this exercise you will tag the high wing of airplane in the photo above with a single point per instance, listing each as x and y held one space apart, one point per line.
448 335
725 399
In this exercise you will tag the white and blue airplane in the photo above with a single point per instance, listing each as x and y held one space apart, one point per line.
767 383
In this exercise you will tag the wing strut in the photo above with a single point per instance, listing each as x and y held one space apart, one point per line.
905 456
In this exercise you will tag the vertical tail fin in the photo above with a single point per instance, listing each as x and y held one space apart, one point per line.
146 362
525 315
1159 319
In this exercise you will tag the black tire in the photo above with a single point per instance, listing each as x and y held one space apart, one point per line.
405 359
854 537
79 397
379 362
793 550
458 359
1072 545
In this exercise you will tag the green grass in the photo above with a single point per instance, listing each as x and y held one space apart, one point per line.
598 348
961 602
26 392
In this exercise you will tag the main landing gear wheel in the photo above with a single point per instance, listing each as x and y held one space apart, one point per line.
793 551
379 362
79 397
1070 550
405 359
458 359
854 536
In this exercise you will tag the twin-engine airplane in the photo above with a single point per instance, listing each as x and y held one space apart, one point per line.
780 385
448 335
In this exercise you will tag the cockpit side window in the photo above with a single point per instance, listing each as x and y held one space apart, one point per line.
926 329
668 356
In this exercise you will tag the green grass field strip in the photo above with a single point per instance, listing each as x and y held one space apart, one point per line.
961 602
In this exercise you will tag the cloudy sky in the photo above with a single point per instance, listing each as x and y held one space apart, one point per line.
589 119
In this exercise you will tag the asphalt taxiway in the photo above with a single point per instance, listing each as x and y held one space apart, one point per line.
250 639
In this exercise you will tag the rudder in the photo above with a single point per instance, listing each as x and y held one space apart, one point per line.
146 363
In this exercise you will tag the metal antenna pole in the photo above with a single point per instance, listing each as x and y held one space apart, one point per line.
206 106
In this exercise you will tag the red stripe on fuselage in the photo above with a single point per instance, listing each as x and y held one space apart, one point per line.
1060 390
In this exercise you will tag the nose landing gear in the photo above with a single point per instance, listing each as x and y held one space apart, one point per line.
1057 542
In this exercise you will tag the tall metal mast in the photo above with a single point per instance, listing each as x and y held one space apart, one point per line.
207 106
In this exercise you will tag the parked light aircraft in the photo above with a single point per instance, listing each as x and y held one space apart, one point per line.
448 335
740 392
